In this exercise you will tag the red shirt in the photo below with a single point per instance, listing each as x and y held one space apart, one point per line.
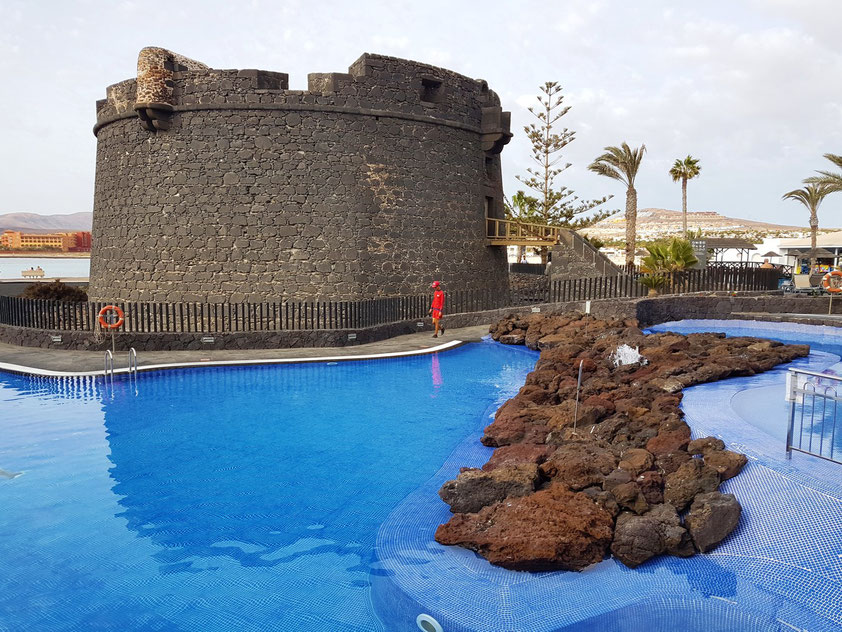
438 300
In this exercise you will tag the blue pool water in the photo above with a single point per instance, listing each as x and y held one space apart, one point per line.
243 498
780 571
303 498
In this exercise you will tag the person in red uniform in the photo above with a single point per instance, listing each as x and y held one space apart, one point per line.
436 308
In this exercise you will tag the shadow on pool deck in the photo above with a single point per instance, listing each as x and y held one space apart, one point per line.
79 361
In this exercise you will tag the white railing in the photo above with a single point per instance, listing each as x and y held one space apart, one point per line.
814 413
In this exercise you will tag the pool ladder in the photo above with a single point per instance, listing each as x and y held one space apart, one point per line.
108 366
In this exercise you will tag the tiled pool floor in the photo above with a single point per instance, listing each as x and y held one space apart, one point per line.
781 570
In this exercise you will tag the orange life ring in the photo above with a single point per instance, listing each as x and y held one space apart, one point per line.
833 289
106 310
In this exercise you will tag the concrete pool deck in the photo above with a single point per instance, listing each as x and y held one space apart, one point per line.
54 361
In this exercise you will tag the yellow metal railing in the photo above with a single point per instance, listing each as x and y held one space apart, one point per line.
506 232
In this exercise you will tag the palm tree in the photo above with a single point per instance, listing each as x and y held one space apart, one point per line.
675 255
829 178
684 170
621 163
811 196
665 263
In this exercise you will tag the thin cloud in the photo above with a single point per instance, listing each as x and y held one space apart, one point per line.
742 85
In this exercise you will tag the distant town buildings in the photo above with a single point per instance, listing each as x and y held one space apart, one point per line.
65 242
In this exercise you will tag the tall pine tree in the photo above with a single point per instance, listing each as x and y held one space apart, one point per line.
557 205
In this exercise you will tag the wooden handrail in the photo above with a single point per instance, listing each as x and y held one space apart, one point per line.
508 229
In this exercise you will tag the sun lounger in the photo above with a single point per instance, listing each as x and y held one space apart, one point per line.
38 273
801 285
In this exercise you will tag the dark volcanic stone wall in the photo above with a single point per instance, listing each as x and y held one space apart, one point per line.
371 183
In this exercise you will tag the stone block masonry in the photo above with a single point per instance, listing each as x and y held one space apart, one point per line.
226 186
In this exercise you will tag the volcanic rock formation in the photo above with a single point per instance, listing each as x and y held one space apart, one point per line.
612 470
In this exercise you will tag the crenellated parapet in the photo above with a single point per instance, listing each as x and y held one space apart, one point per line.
374 85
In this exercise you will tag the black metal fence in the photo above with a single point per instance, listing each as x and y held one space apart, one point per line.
237 317
528 268
313 315
712 279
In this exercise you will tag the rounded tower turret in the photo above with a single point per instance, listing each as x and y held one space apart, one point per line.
226 186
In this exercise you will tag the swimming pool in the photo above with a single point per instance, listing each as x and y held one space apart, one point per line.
240 498
303 497
781 570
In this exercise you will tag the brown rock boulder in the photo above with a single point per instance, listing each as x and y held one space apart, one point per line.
615 478
517 454
579 465
669 463
640 538
622 432
712 517
689 480
598 401
705 445
676 539
517 421
629 496
651 485
668 441
553 529
517 337
603 499
587 364
726 462
565 414
636 461
474 489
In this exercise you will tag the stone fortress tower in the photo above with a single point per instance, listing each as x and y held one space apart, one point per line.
226 186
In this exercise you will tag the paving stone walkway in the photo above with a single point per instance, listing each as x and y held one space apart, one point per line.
79 361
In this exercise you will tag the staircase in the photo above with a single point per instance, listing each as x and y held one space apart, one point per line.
585 253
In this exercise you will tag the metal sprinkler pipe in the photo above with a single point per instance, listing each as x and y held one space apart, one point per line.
578 387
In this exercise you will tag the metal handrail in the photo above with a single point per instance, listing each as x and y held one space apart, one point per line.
132 360
108 368
817 417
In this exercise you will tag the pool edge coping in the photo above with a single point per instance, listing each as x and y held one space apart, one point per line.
34 371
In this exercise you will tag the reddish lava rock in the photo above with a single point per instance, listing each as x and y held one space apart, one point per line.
667 442
624 444
553 529
517 454
579 465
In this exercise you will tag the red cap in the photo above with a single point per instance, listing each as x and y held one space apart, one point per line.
435 284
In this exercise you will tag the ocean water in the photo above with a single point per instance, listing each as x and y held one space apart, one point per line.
60 267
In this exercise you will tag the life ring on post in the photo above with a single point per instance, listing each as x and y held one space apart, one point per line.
105 311
827 283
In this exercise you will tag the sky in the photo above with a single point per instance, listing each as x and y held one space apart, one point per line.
749 87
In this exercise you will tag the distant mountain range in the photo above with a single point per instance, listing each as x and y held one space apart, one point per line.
655 223
35 223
